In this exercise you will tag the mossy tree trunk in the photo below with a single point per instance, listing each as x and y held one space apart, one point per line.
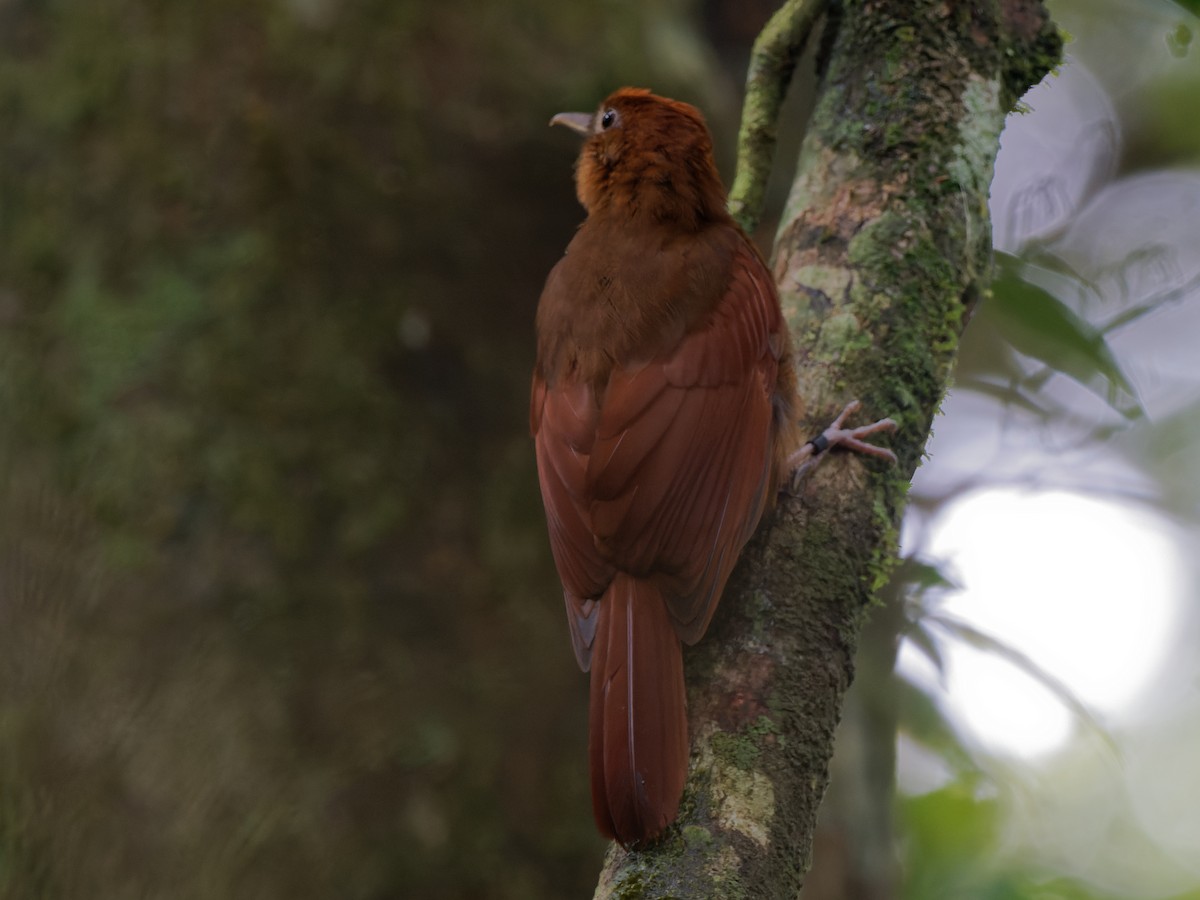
882 251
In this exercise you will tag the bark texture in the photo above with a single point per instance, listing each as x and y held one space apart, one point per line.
883 249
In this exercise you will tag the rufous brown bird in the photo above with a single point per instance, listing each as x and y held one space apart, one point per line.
663 411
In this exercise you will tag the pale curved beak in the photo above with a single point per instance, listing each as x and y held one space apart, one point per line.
580 123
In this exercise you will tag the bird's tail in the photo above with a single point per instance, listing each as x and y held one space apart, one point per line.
638 743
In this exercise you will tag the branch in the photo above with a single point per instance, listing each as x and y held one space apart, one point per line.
772 61
883 245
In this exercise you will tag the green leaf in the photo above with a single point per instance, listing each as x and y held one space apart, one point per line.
924 641
922 576
1039 325
954 822
949 848
981 640
1007 394
924 721
915 578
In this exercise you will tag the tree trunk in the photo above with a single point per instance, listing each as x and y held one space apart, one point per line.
883 249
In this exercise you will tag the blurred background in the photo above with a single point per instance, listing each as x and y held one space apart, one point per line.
277 613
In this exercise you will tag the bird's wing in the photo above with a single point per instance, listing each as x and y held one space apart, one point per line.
681 464
563 422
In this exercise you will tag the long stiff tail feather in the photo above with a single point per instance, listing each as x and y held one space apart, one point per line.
638 743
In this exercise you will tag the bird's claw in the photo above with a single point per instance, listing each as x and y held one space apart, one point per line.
837 435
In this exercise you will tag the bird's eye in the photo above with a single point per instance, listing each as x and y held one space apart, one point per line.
609 119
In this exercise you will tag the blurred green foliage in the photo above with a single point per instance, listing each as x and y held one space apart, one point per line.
1034 322
950 840
277 616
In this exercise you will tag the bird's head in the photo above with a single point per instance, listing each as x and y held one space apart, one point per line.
646 156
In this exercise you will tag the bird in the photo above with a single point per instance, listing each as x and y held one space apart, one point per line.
663 413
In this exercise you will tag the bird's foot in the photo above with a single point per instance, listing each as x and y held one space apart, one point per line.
806 458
